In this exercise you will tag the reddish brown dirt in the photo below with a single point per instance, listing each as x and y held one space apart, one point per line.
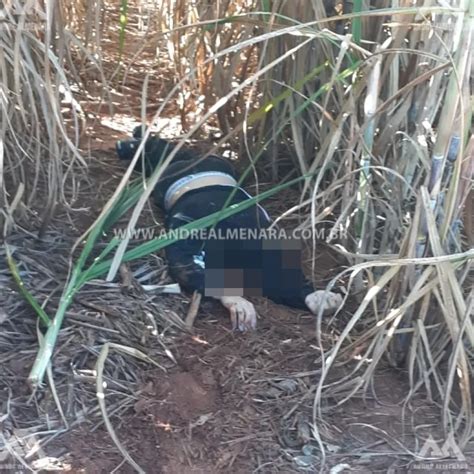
208 414
227 407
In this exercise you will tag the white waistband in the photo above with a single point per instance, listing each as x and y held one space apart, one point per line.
196 181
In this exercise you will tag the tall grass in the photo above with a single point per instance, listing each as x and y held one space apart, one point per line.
371 105
39 154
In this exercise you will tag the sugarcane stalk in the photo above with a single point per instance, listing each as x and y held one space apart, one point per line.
460 139
445 141
370 106
43 357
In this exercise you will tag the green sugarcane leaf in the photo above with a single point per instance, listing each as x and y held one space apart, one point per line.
357 22
24 292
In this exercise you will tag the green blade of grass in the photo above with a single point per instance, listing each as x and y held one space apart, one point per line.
24 292
357 21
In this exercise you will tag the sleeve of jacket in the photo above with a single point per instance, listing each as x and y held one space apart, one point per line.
295 295
186 260
186 264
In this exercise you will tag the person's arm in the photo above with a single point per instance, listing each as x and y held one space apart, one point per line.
304 296
186 264
296 298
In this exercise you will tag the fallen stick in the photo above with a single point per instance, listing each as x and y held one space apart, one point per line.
193 310
172 288
127 276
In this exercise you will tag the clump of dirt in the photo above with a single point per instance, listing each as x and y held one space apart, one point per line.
184 397
179 407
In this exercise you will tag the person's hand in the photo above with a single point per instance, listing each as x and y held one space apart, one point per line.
242 313
328 300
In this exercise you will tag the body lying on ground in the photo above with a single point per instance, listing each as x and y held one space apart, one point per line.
239 256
